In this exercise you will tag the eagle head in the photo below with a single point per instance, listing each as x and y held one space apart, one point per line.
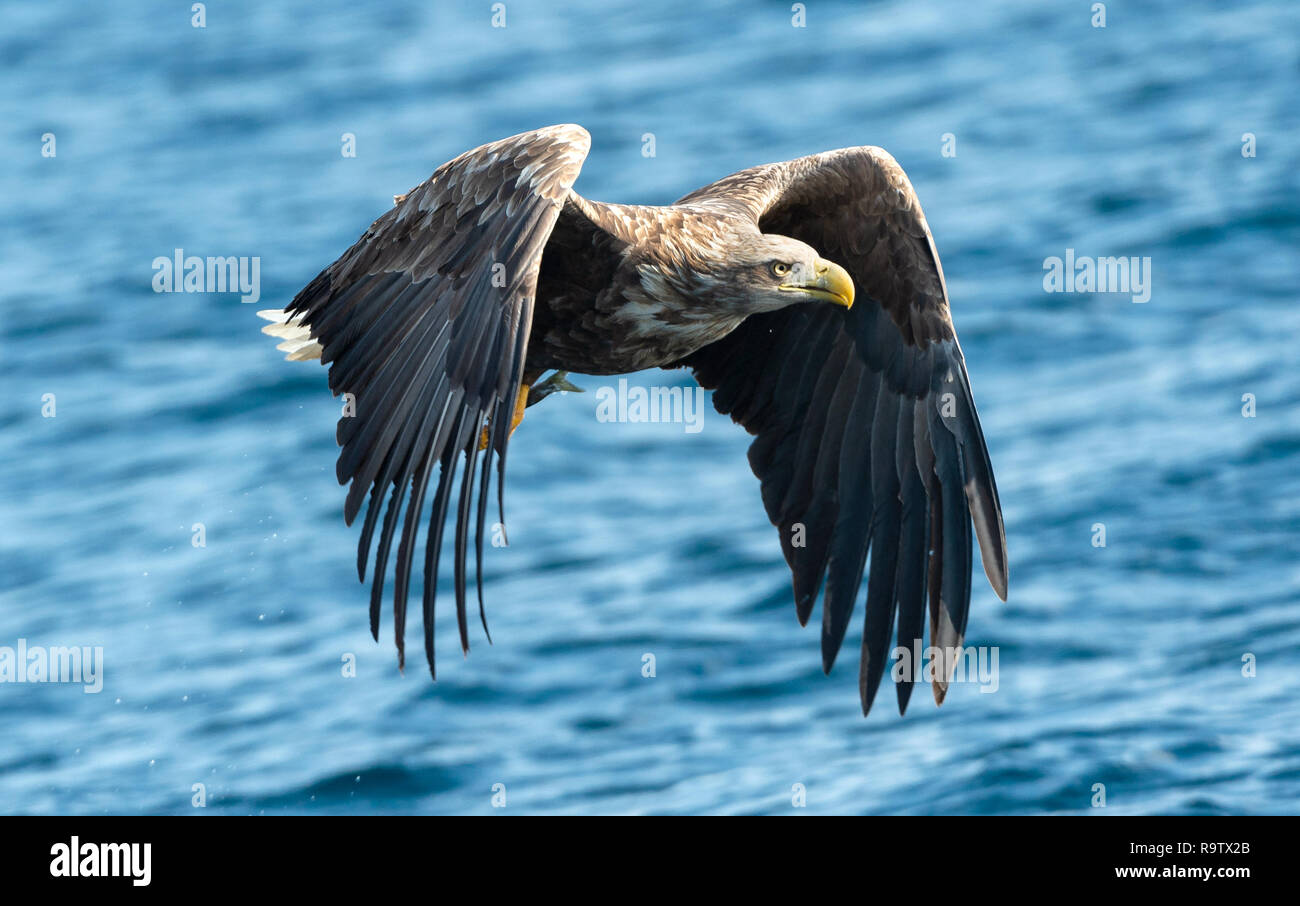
763 272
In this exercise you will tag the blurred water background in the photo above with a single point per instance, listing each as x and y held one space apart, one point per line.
1120 665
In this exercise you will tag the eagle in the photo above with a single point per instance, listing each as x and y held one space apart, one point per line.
807 295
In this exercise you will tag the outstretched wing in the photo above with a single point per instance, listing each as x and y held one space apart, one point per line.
425 323
867 434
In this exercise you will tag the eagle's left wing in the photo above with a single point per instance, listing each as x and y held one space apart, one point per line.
867 434
425 322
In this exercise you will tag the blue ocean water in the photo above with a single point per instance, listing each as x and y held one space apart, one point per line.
223 665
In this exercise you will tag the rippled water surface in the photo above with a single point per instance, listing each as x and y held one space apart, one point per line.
1120 665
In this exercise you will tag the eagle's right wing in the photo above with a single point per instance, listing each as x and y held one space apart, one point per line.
425 322
867 434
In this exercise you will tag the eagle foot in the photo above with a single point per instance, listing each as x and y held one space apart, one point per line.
521 403
558 382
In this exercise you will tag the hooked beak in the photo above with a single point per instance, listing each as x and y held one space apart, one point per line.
829 281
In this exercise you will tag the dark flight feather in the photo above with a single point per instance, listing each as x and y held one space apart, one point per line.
416 320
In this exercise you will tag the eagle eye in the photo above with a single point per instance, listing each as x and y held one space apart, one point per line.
780 268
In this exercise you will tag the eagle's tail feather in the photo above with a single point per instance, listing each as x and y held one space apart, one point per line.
298 341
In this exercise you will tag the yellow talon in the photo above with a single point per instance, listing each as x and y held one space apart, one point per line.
521 403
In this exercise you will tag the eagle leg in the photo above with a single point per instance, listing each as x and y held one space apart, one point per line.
558 382
530 394
521 403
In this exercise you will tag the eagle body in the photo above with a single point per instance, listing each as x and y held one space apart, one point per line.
807 295
645 299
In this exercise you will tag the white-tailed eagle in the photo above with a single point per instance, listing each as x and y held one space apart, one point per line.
807 295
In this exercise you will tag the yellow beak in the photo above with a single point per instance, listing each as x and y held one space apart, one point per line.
830 282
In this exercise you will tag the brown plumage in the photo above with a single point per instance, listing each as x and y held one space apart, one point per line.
494 271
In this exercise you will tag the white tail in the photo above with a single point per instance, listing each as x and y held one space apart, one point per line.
298 342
